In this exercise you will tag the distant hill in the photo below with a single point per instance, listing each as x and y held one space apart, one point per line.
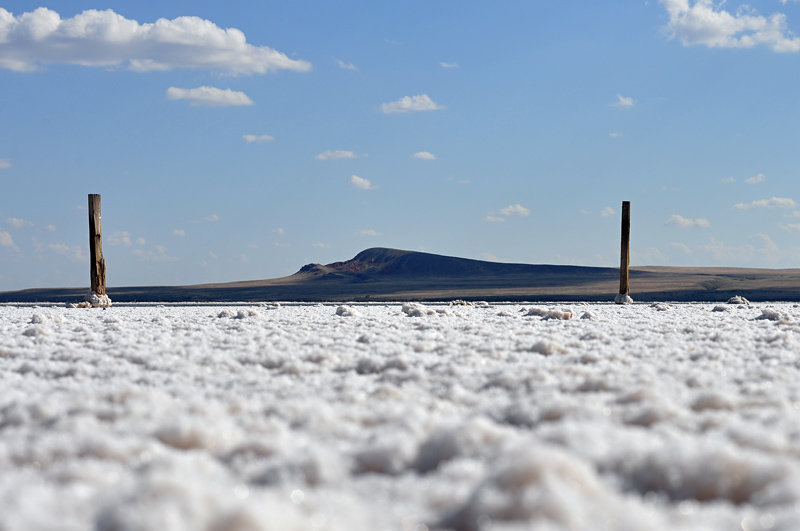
381 274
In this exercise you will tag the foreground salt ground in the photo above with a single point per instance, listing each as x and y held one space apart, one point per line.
391 417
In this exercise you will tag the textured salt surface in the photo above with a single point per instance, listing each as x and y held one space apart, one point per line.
401 417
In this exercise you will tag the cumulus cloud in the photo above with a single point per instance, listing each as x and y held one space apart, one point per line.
257 138
212 218
119 238
494 219
179 232
210 96
705 22
74 252
762 249
6 240
5 164
109 40
157 254
320 245
279 230
421 102
444 64
795 227
685 223
623 102
727 180
369 232
775 202
515 210
346 66
18 223
361 183
615 134
424 155
338 154
682 247
760 178
607 212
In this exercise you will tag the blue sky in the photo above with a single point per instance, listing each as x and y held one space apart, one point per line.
242 140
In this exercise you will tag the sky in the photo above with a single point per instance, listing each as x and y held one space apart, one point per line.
242 140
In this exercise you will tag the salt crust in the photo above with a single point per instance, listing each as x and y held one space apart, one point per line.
300 418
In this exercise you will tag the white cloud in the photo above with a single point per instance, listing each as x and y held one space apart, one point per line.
765 249
212 218
51 228
494 219
795 227
685 223
257 138
444 64
320 245
119 238
157 254
682 247
421 102
6 240
361 183
424 155
346 66
74 253
369 232
5 164
704 22
18 223
794 214
607 212
515 210
210 96
760 178
338 154
614 134
106 39
775 202
179 232
727 180
141 241
279 230
623 102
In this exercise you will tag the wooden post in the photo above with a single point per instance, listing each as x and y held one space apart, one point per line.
624 258
97 264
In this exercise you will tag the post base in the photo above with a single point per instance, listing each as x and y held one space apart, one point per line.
92 300
623 298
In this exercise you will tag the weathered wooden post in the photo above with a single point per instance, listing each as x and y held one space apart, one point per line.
97 265
624 259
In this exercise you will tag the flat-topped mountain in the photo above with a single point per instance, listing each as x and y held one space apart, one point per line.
379 263
381 274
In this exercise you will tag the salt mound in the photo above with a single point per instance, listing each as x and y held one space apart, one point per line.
738 299
771 315
563 315
415 309
623 298
347 311
539 487
92 300
540 312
